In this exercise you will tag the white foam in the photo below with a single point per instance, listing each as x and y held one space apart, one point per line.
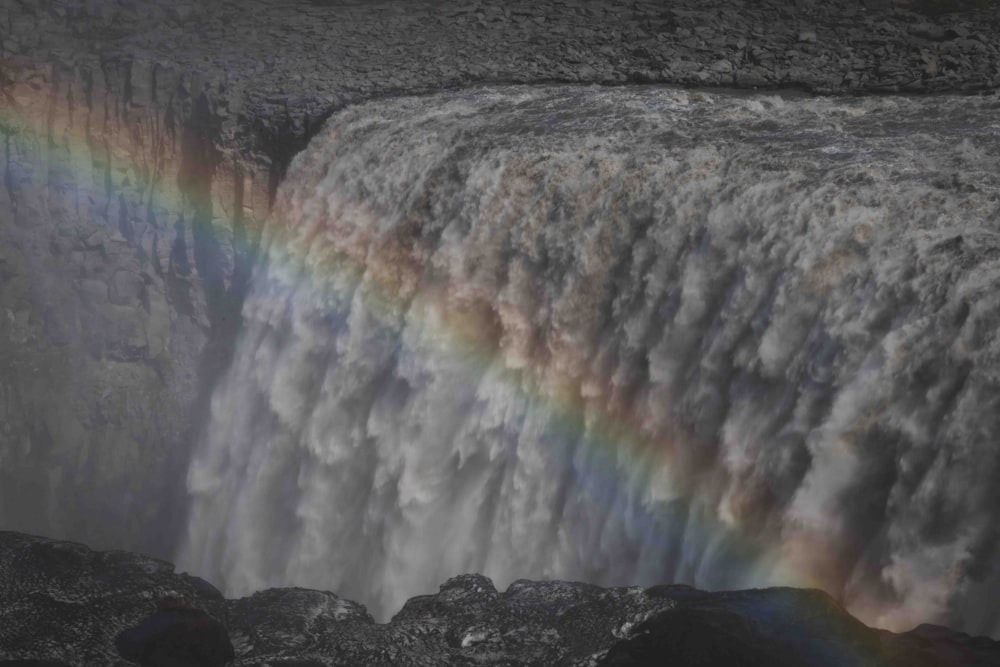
626 336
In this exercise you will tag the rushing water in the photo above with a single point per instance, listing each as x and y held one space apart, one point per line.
625 336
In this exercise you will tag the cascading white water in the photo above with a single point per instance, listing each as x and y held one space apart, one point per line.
625 336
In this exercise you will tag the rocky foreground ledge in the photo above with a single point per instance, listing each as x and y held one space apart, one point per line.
63 604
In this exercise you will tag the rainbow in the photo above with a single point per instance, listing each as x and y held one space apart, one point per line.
466 325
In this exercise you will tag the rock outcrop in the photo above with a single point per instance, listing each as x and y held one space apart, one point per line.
61 603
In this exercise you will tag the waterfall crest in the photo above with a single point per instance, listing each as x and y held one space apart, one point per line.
622 336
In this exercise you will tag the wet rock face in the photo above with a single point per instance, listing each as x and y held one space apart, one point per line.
123 241
61 603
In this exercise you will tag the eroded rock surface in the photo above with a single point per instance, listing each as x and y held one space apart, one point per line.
62 602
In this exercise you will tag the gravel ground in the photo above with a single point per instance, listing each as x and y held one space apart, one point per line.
270 66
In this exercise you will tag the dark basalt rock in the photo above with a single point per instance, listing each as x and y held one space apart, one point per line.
63 604
777 627
176 636
690 637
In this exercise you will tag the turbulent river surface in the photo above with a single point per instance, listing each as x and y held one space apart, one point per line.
626 336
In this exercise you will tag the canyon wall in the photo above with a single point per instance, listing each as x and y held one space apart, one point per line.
127 234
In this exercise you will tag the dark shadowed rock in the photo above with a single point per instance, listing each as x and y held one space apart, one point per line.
778 627
937 645
696 637
176 636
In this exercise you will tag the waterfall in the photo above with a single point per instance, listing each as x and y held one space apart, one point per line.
626 336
